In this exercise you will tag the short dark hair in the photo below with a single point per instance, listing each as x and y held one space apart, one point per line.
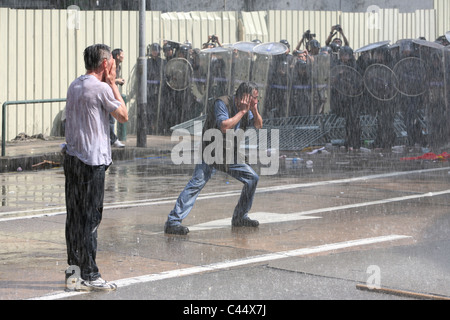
116 52
94 55
246 87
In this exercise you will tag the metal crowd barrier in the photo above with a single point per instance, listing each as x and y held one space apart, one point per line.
299 132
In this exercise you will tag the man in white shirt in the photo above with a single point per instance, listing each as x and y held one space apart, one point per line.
90 99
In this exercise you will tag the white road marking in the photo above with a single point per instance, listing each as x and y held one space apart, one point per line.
207 196
262 217
266 217
234 263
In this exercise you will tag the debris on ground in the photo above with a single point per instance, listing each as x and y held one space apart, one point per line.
24 137
46 164
430 156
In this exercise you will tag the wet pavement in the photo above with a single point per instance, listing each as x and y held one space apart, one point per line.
329 229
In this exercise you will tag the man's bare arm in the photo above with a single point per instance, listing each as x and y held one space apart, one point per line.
121 113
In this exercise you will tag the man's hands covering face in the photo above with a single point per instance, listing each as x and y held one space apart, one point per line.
248 102
110 72
244 102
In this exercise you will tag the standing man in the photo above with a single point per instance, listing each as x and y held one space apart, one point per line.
227 113
338 41
90 100
118 56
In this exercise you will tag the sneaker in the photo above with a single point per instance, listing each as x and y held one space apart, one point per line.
176 229
118 144
97 285
245 222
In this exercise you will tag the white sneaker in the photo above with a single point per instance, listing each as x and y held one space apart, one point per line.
118 144
97 285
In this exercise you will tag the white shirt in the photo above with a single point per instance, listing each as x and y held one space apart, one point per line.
89 102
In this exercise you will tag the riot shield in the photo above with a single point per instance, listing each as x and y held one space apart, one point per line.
372 46
381 82
271 73
176 97
410 74
347 88
178 74
259 74
381 90
347 81
200 67
374 64
219 63
277 98
242 63
434 113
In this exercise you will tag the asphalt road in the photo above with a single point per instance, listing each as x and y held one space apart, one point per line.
328 231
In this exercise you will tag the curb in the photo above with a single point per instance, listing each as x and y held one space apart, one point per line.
55 159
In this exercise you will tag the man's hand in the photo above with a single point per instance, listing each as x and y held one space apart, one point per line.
253 104
121 113
245 103
110 73
257 119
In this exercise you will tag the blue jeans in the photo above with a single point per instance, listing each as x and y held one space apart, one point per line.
202 173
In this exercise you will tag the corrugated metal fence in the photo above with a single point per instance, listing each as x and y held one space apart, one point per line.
42 49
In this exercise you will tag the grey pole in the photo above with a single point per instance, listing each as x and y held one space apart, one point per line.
142 82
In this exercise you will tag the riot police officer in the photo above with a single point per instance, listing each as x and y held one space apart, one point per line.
300 102
379 94
168 112
168 50
410 73
155 67
346 99
434 95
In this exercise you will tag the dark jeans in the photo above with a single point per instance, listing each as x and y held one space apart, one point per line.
84 203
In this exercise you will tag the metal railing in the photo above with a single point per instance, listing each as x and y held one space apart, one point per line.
8 103
121 127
